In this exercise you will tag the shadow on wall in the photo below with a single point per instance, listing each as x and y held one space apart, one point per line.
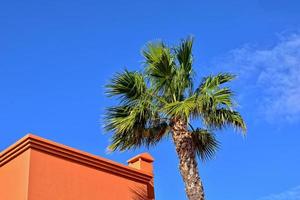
141 193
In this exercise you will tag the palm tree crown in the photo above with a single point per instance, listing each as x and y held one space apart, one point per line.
152 99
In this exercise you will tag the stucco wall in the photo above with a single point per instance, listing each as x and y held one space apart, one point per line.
14 178
60 179
38 169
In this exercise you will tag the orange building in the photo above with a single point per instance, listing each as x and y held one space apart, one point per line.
38 169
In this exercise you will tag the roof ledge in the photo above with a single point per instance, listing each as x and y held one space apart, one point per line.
31 141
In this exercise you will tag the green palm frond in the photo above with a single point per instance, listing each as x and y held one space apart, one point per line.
180 108
120 119
210 95
221 118
184 54
129 86
209 102
160 67
137 137
170 73
133 127
209 83
184 78
136 121
152 52
205 142
223 97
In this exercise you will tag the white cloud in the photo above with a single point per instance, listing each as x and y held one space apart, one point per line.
273 74
291 194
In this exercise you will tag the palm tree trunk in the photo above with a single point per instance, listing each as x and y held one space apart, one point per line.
187 160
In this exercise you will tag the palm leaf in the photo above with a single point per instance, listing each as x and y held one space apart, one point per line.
129 86
210 83
180 108
160 68
210 95
205 143
221 118
184 78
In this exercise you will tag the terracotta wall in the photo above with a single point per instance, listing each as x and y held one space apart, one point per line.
14 177
38 169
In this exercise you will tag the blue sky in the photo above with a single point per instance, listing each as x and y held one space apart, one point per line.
56 56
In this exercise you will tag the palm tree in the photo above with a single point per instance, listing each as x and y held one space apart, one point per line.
161 100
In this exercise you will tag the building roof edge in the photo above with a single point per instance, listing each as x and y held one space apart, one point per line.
31 141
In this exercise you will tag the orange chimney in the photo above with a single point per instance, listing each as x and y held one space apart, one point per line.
142 162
